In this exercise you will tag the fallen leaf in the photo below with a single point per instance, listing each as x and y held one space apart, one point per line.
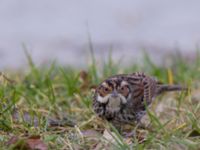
91 134
111 137
30 143
83 76
35 143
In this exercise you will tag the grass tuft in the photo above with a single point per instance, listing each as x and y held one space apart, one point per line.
63 96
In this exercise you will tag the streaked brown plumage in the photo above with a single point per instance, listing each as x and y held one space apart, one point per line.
122 98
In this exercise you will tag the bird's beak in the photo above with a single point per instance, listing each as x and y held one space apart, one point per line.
114 94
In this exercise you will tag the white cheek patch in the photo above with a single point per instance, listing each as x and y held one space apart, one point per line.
103 99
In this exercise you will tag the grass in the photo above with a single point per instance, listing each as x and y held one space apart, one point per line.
31 99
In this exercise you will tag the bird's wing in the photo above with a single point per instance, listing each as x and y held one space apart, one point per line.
143 87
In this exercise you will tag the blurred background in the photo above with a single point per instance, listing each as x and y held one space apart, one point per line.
62 30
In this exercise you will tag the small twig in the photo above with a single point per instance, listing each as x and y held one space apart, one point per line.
79 132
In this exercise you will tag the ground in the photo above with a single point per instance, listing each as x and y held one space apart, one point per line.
50 107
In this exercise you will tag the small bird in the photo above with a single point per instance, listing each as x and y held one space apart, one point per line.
122 99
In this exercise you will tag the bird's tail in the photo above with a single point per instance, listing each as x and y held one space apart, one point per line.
168 88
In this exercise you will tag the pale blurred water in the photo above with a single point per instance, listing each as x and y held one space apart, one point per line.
59 29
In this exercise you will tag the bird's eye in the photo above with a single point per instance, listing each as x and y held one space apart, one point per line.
124 90
106 89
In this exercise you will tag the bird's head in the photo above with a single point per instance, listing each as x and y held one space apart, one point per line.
113 92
